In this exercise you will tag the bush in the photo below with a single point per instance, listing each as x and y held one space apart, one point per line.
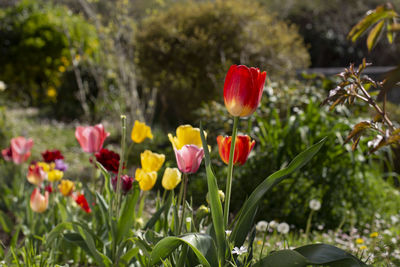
186 50
37 43
289 120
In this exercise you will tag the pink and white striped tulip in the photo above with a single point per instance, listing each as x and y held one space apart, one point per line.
189 158
39 202
91 138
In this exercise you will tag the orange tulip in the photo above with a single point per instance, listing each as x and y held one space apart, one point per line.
243 90
243 147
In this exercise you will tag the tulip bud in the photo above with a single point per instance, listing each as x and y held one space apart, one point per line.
91 138
151 162
243 147
36 175
66 187
146 179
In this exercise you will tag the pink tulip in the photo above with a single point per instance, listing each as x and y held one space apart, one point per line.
189 158
21 149
39 202
91 138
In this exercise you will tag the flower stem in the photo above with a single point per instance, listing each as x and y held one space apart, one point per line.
308 227
230 171
121 163
185 180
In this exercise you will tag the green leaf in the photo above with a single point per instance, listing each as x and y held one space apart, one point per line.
374 34
76 239
127 217
158 213
106 213
129 255
248 210
107 180
5 222
378 14
283 258
215 202
323 254
202 245
56 232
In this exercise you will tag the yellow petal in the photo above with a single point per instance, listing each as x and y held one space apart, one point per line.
151 161
140 131
171 178
146 179
186 135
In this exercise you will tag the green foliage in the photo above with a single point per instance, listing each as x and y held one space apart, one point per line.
186 50
40 42
349 184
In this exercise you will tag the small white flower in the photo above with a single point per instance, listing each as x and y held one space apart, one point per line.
315 204
228 232
394 219
3 86
320 227
283 228
273 224
188 219
394 240
240 250
375 142
262 226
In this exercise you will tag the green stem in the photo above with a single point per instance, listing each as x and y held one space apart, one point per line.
121 163
230 171
308 227
185 179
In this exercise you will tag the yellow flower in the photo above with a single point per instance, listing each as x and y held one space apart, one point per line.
61 69
186 135
46 167
259 242
55 175
151 162
171 178
363 247
51 92
140 131
146 179
66 187
359 241
374 234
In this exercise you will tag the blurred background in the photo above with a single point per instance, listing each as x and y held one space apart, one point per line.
70 62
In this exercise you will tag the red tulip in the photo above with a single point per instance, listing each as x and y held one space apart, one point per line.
243 89
81 201
126 182
91 138
243 147
39 202
52 155
189 158
109 159
7 154
21 149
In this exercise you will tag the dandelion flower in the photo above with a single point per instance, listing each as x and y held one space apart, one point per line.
283 228
315 204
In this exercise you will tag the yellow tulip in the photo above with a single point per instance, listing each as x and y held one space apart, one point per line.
55 175
140 131
66 187
151 162
171 178
186 135
146 179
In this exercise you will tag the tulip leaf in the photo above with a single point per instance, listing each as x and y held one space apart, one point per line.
323 254
127 217
5 222
215 202
202 245
104 209
248 210
107 181
76 239
56 232
283 258
129 255
158 213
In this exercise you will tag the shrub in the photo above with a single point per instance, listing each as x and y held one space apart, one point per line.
186 50
289 120
37 43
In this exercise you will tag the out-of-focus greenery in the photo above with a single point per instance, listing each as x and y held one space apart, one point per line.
289 120
39 44
186 50
324 26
